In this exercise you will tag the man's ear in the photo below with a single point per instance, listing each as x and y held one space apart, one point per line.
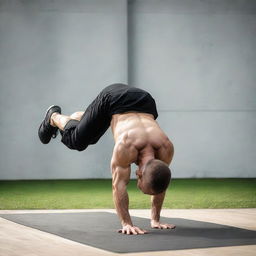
139 173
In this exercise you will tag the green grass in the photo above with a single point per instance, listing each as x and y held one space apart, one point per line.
79 194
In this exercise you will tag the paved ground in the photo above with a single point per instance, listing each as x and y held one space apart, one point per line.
18 240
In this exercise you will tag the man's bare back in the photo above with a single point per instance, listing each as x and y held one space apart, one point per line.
140 135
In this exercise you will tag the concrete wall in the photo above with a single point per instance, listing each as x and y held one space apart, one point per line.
198 59
56 52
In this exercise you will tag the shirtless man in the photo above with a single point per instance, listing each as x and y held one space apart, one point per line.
131 113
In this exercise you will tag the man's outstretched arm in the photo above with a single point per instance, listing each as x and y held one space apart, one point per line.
156 206
120 179
122 158
165 153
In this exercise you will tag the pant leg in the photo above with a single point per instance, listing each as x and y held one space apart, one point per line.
94 123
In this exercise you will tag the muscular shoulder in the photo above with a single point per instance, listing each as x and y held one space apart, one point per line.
166 151
124 154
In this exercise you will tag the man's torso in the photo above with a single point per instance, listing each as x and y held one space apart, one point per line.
138 138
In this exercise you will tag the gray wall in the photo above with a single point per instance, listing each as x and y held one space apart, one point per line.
56 52
198 59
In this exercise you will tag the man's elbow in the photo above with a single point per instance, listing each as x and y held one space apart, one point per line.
118 186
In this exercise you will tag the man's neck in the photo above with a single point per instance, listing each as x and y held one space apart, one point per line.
144 161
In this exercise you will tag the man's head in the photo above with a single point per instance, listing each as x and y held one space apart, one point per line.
154 178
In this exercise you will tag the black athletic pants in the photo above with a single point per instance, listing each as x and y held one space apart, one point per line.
114 99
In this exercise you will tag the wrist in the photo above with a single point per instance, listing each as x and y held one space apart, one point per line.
155 217
125 223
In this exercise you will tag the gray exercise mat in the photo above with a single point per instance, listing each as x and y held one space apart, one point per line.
98 229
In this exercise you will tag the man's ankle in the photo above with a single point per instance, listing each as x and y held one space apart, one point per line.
52 119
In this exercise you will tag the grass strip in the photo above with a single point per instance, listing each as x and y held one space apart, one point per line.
88 194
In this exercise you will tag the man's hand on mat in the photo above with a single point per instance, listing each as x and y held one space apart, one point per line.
157 224
132 230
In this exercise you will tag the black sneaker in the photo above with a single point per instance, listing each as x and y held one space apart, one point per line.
46 131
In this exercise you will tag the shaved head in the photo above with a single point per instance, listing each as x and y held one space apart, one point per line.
155 177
